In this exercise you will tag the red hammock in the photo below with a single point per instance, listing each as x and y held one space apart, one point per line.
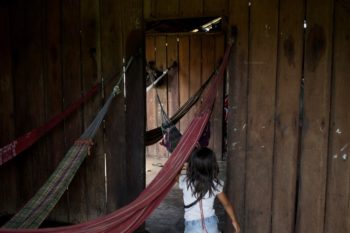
130 217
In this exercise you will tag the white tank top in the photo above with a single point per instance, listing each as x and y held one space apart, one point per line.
194 212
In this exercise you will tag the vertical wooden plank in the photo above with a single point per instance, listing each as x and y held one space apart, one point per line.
215 7
8 194
90 68
290 58
173 78
184 75
151 103
314 148
238 71
162 88
150 48
195 71
208 56
338 185
219 104
166 9
147 9
72 87
54 98
111 47
40 157
208 61
208 64
261 109
134 41
190 8
26 32
237 110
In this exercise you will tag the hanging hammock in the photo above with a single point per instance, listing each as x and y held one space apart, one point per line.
171 134
25 141
131 216
38 208
154 135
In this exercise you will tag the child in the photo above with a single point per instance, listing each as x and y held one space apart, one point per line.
200 186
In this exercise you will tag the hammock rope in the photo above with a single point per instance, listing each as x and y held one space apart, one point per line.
152 73
157 80
131 216
38 208
25 141
172 135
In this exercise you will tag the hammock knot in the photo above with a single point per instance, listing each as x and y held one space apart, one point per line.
116 90
87 142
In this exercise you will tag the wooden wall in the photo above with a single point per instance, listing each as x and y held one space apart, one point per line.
288 133
52 51
156 9
197 56
288 123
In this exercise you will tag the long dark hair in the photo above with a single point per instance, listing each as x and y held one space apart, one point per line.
202 172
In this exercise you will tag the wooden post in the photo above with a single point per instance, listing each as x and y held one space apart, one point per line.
134 42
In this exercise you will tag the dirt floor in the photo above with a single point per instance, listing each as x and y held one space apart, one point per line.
168 217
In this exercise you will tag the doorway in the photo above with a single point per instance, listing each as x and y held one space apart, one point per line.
191 50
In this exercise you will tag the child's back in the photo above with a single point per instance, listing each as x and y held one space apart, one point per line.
200 186
207 202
